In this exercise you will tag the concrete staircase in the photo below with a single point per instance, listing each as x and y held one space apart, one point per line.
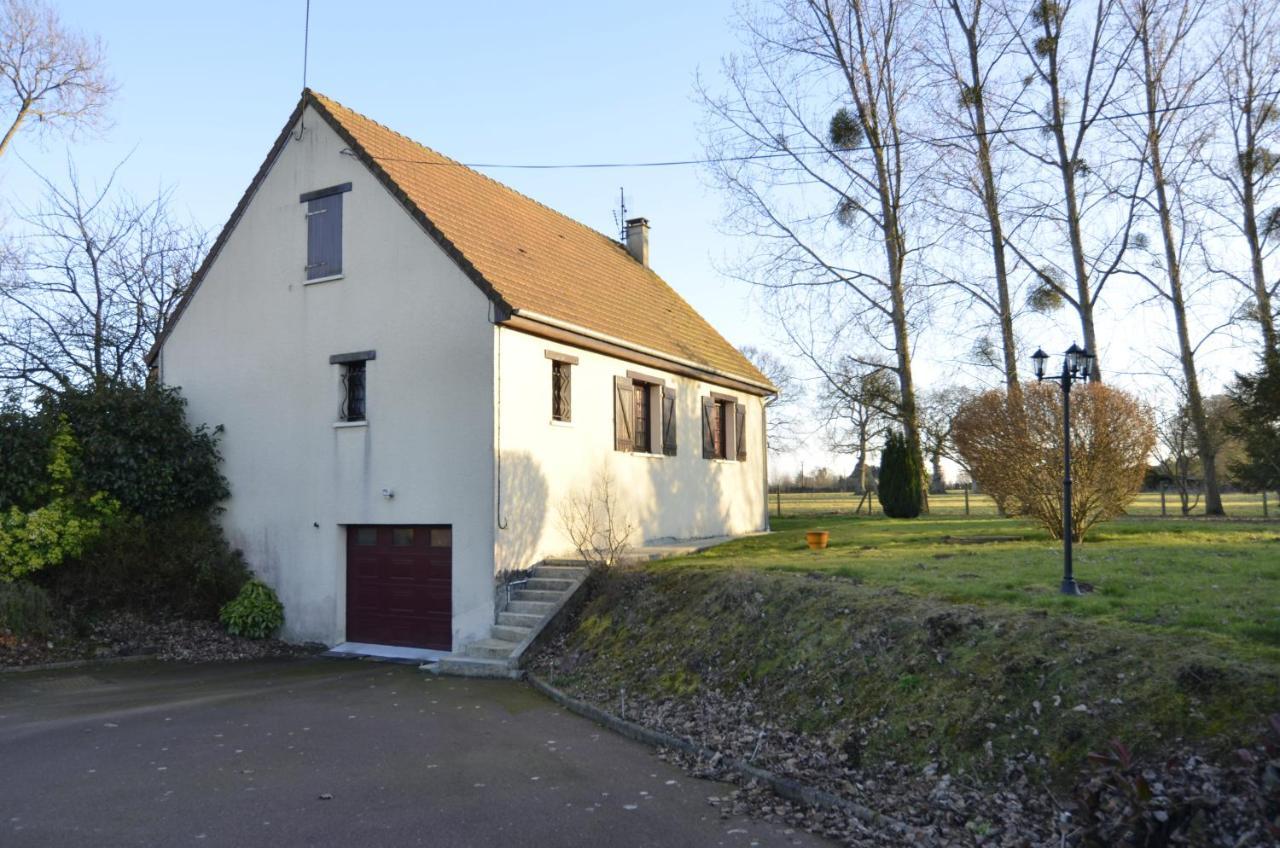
550 586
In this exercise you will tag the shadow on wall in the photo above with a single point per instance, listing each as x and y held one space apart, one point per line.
523 510
687 506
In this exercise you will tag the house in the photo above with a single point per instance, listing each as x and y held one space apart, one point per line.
416 367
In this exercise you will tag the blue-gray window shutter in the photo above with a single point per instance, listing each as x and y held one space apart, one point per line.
324 236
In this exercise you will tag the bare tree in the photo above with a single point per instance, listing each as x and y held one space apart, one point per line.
1177 456
1075 53
859 403
819 186
99 275
596 522
973 44
56 76
780 409
1170 73
1247 71
938 409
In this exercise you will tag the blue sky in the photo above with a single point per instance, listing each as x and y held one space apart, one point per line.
205 87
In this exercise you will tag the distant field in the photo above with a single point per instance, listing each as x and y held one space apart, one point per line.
1238 505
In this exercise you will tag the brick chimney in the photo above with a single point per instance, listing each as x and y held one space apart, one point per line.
638 239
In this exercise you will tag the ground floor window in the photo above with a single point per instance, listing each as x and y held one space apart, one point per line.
724 420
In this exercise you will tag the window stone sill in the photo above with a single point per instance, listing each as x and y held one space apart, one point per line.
346 425
319 280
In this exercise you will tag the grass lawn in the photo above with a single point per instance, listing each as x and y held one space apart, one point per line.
1218 580
923 647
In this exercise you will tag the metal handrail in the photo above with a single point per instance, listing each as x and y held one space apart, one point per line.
522 581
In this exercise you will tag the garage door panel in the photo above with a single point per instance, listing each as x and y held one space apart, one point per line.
400 585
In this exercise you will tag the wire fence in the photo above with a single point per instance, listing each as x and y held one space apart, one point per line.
959 503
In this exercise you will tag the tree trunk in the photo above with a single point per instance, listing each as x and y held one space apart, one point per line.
1067 169
1173 268
862 465
894 251
13 128
937 485
869 80
1084 295
991 205
1261 295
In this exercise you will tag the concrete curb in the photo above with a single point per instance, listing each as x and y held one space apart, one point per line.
792 790
58 666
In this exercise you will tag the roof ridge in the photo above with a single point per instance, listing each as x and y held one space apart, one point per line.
476 171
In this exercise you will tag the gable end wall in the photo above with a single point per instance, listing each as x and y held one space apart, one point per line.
252 353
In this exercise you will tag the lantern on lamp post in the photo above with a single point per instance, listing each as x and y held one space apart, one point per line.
1077 367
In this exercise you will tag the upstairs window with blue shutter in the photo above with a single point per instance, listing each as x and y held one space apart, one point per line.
324 232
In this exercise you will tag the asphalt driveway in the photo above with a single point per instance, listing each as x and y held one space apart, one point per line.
331 753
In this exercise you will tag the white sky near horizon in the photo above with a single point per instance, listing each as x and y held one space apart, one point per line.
204 89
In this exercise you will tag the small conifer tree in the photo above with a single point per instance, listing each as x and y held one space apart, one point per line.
901 490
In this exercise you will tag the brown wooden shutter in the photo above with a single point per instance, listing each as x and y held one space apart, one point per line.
708 428
567 385
669 422
624 410
740 430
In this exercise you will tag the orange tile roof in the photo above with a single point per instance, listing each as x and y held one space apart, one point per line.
532 258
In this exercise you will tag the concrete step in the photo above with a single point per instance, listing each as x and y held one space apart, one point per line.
460 666
538 608
489 649
547 584
535 595
559 572
507 633
519 619
562 562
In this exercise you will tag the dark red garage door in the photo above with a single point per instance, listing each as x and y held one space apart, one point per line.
399 585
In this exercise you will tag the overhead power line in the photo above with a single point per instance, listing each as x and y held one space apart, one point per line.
776 154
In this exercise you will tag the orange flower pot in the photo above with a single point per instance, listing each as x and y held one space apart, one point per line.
817 539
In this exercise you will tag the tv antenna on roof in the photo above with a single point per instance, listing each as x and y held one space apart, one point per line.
620 216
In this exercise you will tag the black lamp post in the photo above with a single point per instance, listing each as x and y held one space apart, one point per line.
1077 366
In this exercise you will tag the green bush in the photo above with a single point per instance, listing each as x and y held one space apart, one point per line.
138 448
256 612
64 526
179 565
901 490
24 450
25 610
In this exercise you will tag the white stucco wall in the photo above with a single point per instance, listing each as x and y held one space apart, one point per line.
543 461
251 353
